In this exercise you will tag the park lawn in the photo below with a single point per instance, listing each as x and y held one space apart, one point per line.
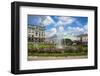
41 45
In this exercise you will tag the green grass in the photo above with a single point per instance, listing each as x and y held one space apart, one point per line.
40 45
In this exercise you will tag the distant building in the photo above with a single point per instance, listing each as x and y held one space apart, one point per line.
36 33
83 38
51 39
73 38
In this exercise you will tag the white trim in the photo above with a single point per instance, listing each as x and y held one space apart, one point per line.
24 64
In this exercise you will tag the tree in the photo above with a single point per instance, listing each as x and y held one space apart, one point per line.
68 41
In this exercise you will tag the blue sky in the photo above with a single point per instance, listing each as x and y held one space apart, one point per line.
69 25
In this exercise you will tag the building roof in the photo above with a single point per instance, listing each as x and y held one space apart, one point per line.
82 35
70 37
36 26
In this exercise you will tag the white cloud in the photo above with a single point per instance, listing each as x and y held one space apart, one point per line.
76 30
61 28
48 20
78 23
62 21
85 29
58 23
37 19
67 20
53 30
51 33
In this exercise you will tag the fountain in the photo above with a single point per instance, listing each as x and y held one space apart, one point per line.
59 40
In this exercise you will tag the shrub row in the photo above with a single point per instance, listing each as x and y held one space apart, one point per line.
78 49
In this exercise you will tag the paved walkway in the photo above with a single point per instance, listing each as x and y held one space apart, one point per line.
30 58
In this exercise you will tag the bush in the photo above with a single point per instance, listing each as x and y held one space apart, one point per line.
50 49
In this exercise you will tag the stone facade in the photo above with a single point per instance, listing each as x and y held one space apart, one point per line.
36 33
83 38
